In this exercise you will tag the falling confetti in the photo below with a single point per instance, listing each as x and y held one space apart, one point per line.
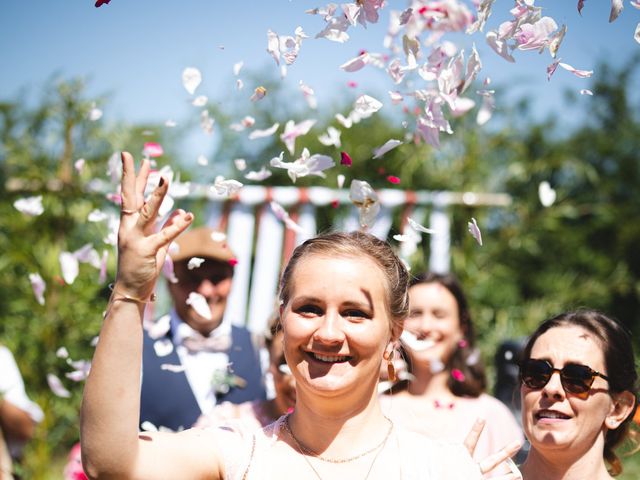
475 231
31 206
199 304
345 159
258 94
191 79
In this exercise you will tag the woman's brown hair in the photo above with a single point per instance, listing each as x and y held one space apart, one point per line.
615 341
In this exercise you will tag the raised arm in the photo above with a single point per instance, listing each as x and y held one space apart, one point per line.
111 444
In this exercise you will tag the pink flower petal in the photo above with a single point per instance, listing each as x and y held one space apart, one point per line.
56 386
457 375
167 270
393 179
152 149
282 215
580 6
575 71
345 159
38 286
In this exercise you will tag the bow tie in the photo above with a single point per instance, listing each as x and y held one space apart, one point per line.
199 343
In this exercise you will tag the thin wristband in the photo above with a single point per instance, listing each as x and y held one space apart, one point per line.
129 298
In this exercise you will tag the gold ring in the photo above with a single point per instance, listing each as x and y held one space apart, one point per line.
128 212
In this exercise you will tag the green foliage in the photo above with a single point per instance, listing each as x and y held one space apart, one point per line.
39 148
536 261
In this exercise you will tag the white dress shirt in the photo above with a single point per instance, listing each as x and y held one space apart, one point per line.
12 389
201 367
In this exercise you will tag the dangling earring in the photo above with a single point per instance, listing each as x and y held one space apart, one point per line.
391 368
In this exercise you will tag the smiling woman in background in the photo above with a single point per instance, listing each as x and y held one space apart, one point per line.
444 394
579 391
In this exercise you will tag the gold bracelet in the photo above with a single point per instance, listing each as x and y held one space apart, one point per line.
129 298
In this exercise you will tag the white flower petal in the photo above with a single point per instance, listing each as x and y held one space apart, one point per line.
31 206
62 352
191 78
367 106
200 101
194 262
258 176
419 228
546 194
69 266
199 304
159 328
264 133
474 230
389 145
163 347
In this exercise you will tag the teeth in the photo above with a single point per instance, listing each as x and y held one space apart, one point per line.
552 415
331 359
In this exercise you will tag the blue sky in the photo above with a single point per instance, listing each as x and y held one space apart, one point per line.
135 51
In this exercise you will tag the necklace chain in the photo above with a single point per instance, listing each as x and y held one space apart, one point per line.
304 451
308 451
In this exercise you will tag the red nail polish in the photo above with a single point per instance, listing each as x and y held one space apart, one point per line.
161 181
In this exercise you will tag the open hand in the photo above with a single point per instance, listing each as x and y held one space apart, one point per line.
142 249
492 461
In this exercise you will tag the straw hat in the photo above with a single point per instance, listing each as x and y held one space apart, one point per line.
201 242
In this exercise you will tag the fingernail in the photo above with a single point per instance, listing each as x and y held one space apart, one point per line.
161 182
189 216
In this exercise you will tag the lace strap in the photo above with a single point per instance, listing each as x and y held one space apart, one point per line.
253 450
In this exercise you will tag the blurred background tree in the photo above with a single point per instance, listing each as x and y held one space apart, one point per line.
536 260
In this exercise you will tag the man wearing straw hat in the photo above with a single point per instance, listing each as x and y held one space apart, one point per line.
202 359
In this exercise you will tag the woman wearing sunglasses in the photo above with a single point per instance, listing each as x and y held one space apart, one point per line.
579 390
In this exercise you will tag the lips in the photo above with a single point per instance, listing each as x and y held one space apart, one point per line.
551 415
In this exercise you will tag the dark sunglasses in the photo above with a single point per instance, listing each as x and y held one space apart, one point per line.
575 378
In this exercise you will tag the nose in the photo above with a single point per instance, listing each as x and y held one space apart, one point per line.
207 288
424 325
329 330
554 388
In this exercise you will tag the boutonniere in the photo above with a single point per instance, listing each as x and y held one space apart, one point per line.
223 380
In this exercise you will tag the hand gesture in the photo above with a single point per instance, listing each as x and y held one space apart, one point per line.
142 249
492 461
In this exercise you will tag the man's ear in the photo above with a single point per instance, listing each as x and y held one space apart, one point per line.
621 408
